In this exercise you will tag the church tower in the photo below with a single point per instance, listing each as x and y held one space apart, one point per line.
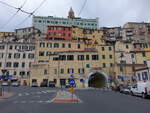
71 13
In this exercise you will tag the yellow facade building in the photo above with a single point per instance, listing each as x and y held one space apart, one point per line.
61 67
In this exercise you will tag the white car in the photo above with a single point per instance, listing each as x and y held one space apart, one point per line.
5 83
15 84
141 89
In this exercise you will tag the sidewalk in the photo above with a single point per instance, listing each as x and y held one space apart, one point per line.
6 95
65 97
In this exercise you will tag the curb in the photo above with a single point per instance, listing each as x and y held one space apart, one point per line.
6 95
65 100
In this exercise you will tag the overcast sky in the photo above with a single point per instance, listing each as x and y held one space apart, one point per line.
111 13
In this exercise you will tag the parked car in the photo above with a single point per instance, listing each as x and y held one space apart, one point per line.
141 89
125 89
67 85
34 84
15 84
5 83
43 84
51 84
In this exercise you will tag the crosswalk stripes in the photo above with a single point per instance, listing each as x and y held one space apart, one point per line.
38 93
31 102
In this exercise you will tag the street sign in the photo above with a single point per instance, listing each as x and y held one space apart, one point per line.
72 82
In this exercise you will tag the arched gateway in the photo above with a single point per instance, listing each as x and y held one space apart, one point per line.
97 79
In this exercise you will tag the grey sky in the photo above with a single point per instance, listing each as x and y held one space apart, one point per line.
110 12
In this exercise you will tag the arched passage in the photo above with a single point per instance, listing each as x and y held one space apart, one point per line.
97 79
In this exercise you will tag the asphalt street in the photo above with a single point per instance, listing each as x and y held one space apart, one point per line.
38 100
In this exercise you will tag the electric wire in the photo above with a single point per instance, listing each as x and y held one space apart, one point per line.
82 7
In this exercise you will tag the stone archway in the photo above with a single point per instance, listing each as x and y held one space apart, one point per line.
97 79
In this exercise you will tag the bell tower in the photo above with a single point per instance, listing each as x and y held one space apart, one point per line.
71 13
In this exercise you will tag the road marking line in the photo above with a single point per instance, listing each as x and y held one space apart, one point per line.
23 102
15 102
31 101
26 94
39 92
19 94
44 92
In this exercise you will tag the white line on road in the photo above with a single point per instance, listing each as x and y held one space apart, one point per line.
19 94
26 94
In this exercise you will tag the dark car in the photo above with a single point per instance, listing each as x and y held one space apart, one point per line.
43 84
51 84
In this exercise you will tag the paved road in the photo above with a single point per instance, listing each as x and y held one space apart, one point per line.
37 100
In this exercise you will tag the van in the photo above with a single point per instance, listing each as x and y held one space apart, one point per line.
141 89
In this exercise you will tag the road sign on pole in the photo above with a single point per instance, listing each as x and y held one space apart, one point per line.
72 82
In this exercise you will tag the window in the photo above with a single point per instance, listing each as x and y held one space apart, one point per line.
25 48
143 54
55 71
9 55
56 45
45 72
22 73
15 73
144 76
79 46
88 65
41 53
69 45
30 63
110 48
8 64
2 47
0 64
145 62
95 57
40 21
1 55
132 55
139 77
81 70
28 73
87 57
62 57
70 70
24 55
103 49
42 44
48 53
103 56
23 64
31 47
30 55
17 55
70 57
111 64
62 71
16 64
63 45
10 47
80 57
49 45
104 65
110 56
127 46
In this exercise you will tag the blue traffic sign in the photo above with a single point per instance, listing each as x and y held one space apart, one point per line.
72 82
